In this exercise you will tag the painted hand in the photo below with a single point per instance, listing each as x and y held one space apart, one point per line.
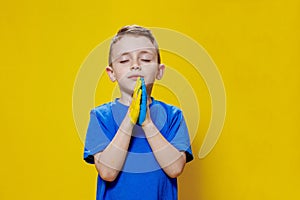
143 105
134 108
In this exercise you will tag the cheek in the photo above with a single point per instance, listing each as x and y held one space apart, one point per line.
150 77
120 73
150 74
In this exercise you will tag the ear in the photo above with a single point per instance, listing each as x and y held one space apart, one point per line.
110 73
160 72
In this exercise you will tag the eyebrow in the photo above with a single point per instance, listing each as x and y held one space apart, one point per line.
123 54
128 52
142 52
145 51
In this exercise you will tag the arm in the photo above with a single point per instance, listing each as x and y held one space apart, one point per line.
110 161
169 158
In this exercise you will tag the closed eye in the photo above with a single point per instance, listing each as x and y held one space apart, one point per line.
146 60
124 61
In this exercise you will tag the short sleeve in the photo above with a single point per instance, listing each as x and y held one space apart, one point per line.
96 137
179 134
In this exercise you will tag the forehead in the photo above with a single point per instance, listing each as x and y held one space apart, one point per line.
130 43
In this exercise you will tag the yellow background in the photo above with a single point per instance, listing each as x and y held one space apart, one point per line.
255 45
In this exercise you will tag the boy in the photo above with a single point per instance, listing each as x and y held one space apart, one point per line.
139 145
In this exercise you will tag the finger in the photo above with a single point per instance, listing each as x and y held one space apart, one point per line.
144 92
137 86
143 108
134 108
139 96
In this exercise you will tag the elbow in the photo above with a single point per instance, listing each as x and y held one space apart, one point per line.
108 175
175 172
175 169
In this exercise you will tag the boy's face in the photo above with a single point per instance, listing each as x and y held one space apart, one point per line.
134 56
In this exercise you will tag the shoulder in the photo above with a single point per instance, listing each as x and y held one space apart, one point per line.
168 119
168 107
102 110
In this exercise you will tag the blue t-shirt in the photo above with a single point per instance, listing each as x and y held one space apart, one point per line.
141 176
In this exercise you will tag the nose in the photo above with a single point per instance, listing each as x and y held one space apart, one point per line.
135 67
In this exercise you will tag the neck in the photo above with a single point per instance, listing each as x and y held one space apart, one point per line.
127 98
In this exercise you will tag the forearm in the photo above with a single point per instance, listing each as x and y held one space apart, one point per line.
110 161
169 158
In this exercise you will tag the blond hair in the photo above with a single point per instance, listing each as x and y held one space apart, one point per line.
136 31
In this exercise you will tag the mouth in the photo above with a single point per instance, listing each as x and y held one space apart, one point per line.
135 77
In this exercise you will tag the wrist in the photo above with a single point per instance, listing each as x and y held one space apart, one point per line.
150 129
146 122
126 126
